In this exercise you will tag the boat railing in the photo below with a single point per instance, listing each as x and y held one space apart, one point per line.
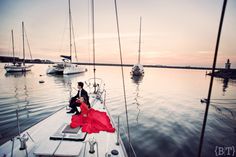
96 86
23 138
118 127
101 96
92 142
127 143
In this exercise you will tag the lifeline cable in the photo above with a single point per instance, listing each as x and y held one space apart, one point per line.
122 70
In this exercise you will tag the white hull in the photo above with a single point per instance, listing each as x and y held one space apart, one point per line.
66 69
39 143
74 69
17 68
137 70
55 69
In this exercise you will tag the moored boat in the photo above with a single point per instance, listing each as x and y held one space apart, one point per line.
18 66
67 67
54 137
137 69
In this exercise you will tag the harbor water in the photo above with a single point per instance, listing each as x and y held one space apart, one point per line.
165 112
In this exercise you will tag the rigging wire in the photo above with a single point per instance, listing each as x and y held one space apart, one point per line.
28 44
139 48
9 45
70 31
212 78
13 48
73 33
88 46
63 36
122 70
23 40
221 103
223 99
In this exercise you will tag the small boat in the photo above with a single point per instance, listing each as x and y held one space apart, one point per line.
137 69
67 67
18 66
54 137
41 81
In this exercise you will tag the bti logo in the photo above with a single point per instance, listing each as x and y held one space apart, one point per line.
225 151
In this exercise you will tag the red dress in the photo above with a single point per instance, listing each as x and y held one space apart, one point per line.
91 120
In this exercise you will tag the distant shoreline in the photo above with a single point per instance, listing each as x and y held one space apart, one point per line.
6 59
150 66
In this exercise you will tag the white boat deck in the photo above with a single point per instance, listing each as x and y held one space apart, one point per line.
42 145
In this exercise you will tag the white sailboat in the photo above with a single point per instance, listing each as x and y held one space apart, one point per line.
18 66
137 69
67 67
54 137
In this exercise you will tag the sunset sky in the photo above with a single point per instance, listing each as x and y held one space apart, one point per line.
179 32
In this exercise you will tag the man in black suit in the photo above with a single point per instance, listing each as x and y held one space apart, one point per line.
81 93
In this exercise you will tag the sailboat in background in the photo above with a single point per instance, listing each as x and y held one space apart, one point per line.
67 67
18 66
137 69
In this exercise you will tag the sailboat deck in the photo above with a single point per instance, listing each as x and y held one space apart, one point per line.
42 145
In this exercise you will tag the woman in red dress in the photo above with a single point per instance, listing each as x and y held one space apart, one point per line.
91 120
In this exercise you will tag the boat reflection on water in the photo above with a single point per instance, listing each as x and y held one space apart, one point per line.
21 93
68 83
137 80
224 108
26 101
15 113
63 81
226 82
65 78
15 74
136 101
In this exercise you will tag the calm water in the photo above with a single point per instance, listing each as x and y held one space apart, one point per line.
164 108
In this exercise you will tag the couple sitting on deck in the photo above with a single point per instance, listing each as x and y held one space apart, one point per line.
89 119
81 93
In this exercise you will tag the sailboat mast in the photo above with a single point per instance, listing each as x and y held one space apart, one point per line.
23 39
94 69
13 51
139 49
70 31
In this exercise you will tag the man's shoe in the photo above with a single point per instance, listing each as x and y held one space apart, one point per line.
71 111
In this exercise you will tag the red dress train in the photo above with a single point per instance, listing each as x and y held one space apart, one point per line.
91 120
